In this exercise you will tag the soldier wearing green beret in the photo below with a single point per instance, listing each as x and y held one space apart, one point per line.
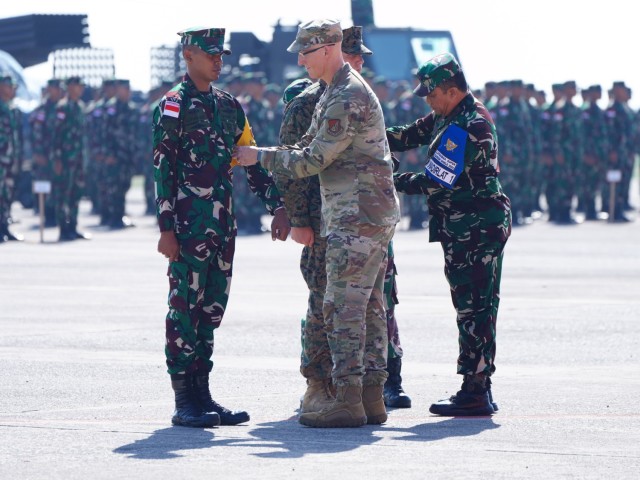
195 127
346 147
470 217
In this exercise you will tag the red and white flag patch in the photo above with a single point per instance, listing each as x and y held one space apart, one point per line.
171 109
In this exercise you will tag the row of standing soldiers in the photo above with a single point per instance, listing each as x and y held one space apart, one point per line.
564 151
553 150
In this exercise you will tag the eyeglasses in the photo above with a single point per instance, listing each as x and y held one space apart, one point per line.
304 54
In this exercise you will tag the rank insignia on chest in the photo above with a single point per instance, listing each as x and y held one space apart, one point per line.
171 109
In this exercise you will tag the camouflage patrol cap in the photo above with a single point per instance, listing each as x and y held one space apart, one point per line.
316 32
295 88
211 40
619 85
435 71
54 82
352 42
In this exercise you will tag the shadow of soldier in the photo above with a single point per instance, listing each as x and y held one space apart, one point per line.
282 439
165 444
452 427
289 439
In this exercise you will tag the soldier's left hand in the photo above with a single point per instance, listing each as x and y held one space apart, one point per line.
280 226
245 156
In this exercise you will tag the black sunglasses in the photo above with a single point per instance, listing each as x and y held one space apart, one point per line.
304 54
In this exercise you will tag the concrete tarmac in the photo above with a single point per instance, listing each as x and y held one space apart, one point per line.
85 394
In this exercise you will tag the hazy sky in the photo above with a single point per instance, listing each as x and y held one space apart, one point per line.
540 41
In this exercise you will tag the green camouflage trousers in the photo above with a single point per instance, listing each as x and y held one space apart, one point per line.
474 280
354 310
198 293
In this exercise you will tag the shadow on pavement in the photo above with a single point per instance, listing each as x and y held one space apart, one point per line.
452 427
165 443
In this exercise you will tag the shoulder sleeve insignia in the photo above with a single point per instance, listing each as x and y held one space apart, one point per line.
171 109
334 127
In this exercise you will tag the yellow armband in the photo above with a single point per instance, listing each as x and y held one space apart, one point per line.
245 140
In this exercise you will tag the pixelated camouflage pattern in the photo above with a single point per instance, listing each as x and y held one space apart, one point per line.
347 147
68 152
192 160
352 42
316 32
472 222
435 71
211 40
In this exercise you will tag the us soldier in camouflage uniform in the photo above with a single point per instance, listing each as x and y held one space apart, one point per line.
596 147
194 129
470 217
119 154
42 121
346 147
9 155
353 51
67 160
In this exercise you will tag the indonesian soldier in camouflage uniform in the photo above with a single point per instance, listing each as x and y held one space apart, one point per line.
42 121
119 154
470 217
9 154
96 116
596 147
194 129
346 147
67 160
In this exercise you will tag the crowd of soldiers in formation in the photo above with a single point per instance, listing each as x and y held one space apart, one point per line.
554 155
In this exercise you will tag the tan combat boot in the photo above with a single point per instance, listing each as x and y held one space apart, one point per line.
345 411
373 403
317 396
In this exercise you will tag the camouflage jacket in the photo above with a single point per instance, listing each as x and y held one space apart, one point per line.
42 121
346 146
475 209
620 127
69 133
302 195
8 147
193 137
119 130
595 134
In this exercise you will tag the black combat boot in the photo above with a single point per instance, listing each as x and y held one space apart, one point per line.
188 413
208 404
472 399
394 396
74 234
493 404
7 236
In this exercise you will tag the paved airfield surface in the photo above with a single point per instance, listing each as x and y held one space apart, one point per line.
85 393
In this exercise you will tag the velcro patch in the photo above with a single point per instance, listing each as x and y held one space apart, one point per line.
334 127
171 109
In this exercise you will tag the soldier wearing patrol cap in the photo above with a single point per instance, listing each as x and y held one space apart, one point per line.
353 52
68 160
470 217
195 126
346 147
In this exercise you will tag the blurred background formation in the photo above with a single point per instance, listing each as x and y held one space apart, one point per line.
567 151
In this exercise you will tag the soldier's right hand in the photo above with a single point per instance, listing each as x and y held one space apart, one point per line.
302 235
168 245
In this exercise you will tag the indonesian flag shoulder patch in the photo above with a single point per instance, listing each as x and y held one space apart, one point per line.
171 109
